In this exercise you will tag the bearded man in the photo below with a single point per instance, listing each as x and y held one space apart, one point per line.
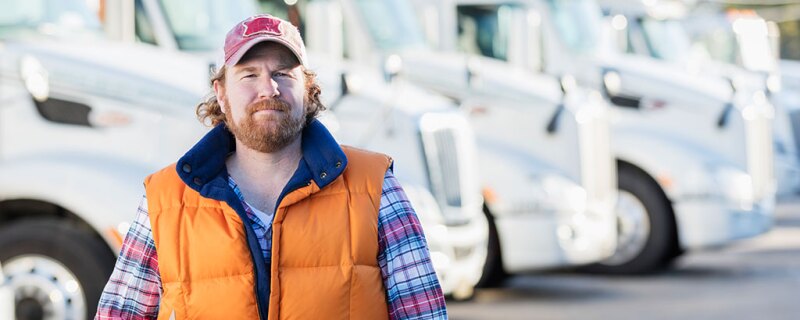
267 217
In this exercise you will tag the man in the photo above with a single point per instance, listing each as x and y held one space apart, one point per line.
267 216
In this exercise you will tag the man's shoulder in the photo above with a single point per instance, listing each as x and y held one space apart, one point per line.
354 153
164 174
365 164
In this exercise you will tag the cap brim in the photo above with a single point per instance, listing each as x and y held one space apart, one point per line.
234 59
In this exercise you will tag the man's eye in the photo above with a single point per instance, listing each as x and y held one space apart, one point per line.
280 74
249 75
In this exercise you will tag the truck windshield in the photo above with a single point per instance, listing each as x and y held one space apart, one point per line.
578 23
57 17
391 23
743 41
484 30
201 25
666 39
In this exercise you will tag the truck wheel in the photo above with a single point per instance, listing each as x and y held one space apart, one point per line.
57 270
647 235
493 274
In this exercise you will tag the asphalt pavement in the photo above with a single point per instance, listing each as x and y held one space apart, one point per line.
756 278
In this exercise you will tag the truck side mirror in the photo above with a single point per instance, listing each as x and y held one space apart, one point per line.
612 88
344 89
392 67
324 29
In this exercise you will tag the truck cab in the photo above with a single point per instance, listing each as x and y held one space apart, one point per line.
694 157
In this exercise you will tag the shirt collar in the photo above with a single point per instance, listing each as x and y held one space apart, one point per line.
203 166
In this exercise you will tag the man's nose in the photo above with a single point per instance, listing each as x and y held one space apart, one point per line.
269 88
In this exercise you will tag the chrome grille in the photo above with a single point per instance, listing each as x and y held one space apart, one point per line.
449 149
447 162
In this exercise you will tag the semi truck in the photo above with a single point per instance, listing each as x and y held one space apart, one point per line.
737 46
82 122
694 156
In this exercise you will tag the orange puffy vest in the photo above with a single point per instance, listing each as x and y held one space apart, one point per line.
324 249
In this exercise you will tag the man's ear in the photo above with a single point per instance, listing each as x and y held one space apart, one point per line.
219 91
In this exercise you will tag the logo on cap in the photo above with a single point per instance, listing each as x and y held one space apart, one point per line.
262 25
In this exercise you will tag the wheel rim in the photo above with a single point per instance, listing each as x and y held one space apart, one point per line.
633 229
44 289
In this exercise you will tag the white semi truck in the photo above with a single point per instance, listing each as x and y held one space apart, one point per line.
432 144
543 144
694 156
82 122
735 46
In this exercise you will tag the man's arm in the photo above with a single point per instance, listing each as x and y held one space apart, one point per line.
412 289
134 290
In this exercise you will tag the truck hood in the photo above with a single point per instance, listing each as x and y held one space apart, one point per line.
135 72
459 75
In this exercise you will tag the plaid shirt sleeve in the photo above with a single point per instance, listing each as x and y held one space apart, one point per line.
412 289
134 290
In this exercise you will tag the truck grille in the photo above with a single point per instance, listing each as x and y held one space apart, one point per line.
449 149
447 162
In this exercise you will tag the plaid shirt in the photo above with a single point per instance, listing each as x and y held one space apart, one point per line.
412 289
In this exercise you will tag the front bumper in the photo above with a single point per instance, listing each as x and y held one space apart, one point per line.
459 254
531 242
713 222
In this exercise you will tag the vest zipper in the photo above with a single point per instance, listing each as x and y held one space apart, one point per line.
248 230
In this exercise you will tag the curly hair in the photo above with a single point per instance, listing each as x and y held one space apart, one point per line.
210 110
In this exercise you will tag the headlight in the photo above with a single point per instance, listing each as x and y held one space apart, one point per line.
716 181
561 193
736 186
583 235
774 83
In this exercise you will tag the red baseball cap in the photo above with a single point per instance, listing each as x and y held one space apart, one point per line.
259 28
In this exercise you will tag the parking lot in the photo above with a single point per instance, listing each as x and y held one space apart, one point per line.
753 279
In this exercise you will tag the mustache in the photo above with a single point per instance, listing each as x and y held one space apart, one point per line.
268 104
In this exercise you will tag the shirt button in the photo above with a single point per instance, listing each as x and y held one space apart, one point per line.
187 168
338 164
198 181
309 183
323 175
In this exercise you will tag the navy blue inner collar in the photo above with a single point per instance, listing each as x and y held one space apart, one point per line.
203 167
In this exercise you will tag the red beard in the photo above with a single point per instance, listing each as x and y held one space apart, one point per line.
269 133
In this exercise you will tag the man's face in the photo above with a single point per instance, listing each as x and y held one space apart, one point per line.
263 98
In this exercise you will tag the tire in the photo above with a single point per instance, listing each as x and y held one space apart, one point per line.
493 275
45 256
657 244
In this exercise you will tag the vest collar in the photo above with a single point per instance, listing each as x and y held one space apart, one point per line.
203 167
